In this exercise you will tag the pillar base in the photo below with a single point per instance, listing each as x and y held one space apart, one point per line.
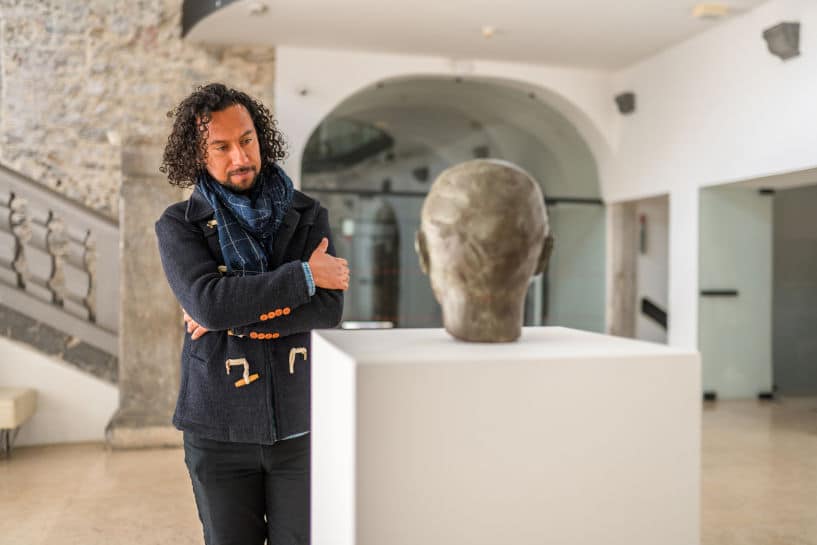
131 431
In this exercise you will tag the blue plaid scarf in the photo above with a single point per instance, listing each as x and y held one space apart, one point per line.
248 222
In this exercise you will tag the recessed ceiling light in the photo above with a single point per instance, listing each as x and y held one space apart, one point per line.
488 31
710 10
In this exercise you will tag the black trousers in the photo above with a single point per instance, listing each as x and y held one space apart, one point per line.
246 493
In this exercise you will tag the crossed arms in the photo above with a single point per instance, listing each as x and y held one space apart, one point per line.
213 302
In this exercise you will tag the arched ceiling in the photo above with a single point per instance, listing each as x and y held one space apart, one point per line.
434 113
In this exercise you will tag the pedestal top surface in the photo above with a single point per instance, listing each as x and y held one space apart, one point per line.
402 346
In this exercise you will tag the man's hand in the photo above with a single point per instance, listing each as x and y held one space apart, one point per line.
329 272
193 327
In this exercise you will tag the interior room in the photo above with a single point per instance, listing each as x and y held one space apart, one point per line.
660 382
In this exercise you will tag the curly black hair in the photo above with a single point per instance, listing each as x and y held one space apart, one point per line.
186 150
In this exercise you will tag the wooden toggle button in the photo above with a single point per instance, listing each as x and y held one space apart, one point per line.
243 382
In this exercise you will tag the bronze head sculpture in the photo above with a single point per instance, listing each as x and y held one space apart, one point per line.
483 235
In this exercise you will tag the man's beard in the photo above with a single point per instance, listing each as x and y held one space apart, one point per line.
236 188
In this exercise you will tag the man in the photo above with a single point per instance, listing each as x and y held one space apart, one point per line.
250 261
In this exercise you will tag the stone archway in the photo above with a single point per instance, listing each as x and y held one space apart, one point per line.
433 123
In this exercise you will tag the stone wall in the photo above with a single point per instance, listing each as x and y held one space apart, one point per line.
80 78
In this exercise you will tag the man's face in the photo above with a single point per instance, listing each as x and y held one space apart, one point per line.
233 152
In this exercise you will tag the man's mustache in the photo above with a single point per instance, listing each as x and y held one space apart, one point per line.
241 170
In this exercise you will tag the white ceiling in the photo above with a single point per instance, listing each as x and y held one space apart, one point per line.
607 34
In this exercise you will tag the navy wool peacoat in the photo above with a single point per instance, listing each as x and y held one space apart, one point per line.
265 319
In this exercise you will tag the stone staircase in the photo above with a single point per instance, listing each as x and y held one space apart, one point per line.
59 276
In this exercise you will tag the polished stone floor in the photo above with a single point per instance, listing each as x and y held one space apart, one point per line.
759 486
759 474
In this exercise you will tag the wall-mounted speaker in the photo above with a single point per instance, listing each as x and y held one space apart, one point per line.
626 103
783 40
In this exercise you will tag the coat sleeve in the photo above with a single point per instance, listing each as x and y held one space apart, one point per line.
323 311
221 302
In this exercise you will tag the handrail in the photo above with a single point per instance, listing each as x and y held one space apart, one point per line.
59 261
719 293
651 310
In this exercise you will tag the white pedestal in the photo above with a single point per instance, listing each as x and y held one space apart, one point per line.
564 437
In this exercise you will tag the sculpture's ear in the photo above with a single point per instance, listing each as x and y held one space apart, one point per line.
422 250
544 257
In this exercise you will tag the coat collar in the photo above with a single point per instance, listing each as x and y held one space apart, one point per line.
197 207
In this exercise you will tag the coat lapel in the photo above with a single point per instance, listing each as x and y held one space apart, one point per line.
282 238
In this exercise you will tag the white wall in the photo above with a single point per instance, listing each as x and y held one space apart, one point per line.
715 109
71 405
652 266
719 108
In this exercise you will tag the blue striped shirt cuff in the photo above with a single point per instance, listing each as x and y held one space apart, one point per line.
310 282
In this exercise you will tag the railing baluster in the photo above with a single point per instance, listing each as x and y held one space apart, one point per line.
77 276
57 247
9 246
89 262
38 261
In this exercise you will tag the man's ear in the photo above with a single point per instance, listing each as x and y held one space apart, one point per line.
422 250
544 257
